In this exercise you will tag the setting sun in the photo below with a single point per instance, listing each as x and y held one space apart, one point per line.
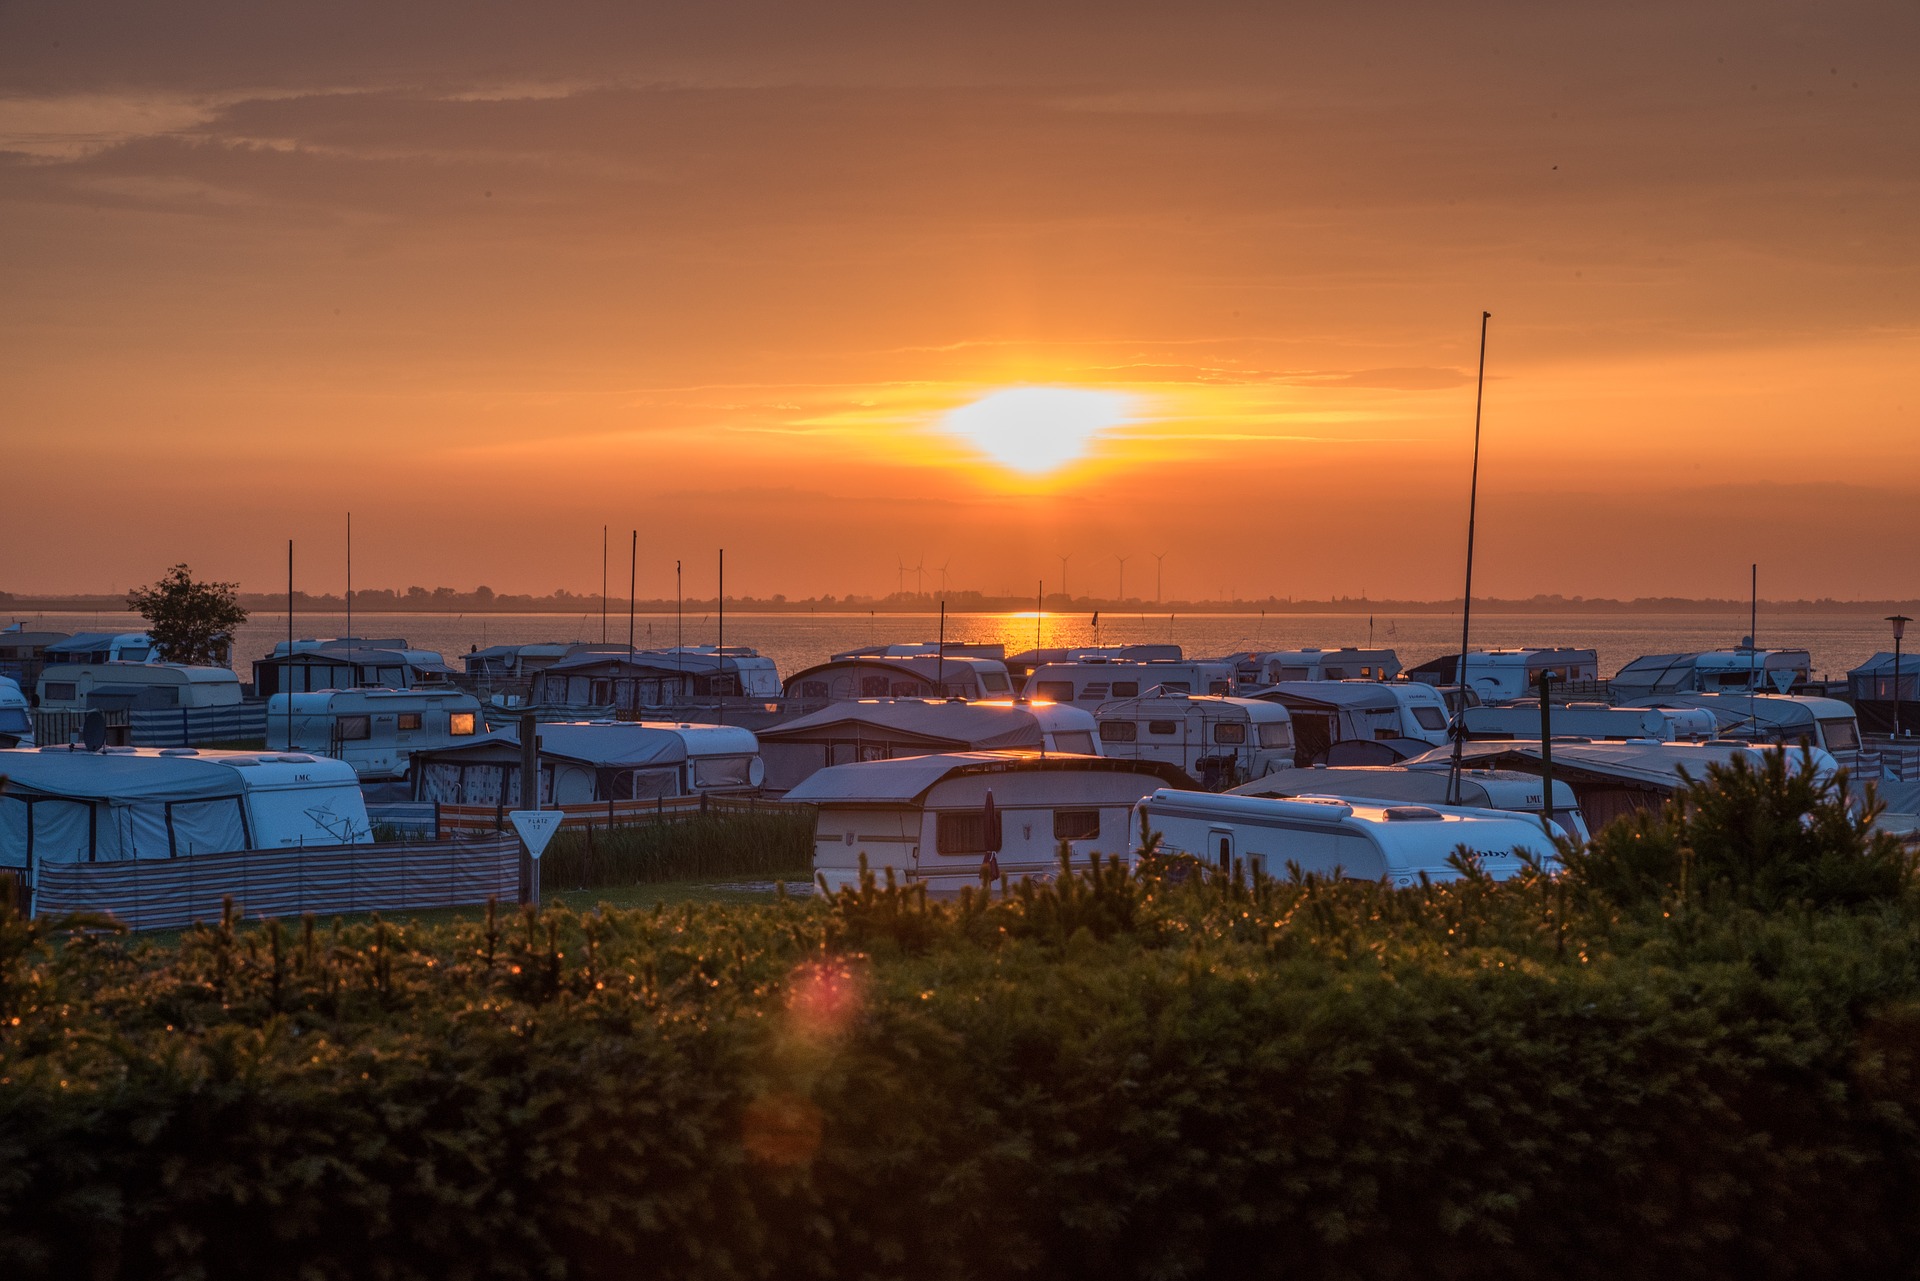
1037 429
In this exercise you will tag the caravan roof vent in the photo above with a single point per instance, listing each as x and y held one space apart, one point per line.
179 751
295 758
1411 814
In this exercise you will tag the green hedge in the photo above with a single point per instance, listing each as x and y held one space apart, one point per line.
1111 1077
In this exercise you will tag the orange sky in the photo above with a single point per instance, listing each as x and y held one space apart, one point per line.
490 277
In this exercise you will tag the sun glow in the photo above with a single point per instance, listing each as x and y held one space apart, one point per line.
1036 430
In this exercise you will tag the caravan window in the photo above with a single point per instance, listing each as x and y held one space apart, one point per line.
408 720
1076 825
1077 740
1126 689
964 832
1842 735
61 691
1163 727
1177 687
1119 732
353 729
460 724
1058 691
994 683
1230 732
1276 734
1430 717
1219 687
1293 674
873 687
722 771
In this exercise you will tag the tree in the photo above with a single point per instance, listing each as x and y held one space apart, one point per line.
190 622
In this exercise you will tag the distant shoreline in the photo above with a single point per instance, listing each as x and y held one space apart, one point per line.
383 602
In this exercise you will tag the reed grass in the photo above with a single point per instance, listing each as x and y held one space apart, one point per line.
694 848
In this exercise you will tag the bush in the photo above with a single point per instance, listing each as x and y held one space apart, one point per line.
1111 1076
1761 836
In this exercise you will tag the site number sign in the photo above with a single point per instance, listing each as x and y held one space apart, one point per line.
536 827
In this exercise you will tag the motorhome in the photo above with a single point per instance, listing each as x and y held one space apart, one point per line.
68 805
16 718
1331 717
878 729
1355 840
584 761
925 819
903 676
1255 669
1765 671
1101 680
347 662
1509 790
1216 740
1498 674
1769 718
127 686
376 731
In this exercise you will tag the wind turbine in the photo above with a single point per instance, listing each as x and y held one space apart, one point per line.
943 577
1158 559
901 590
1123 576
1063 576
919 583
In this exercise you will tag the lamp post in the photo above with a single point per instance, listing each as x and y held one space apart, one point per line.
1899 622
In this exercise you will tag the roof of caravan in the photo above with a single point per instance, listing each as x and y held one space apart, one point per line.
639 660
146 673
1381 782
622 744
357 651
323 699
1767 709
926 666
1256 709
977 725
96 642
907 779
1652 764
1081 653
147 773
1363 695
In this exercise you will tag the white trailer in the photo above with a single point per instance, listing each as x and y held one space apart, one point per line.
924 818
1217 741
117 686
1511 791
1577 720
1352 840
1101 680
68 805
1255 669
376 731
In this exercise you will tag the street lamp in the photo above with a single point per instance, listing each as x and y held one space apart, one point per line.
1899 622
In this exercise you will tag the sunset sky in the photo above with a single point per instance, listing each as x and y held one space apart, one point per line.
490 276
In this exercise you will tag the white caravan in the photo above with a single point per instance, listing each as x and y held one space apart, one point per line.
1509 790
86 648
1352 840
1256 670
376 731
1405 716
66 805
16 717
1496 674
1825 723
81 687
1584 720
1101 680
1216 740
924 818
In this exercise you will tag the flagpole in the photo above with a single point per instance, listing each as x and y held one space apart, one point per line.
1466 600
